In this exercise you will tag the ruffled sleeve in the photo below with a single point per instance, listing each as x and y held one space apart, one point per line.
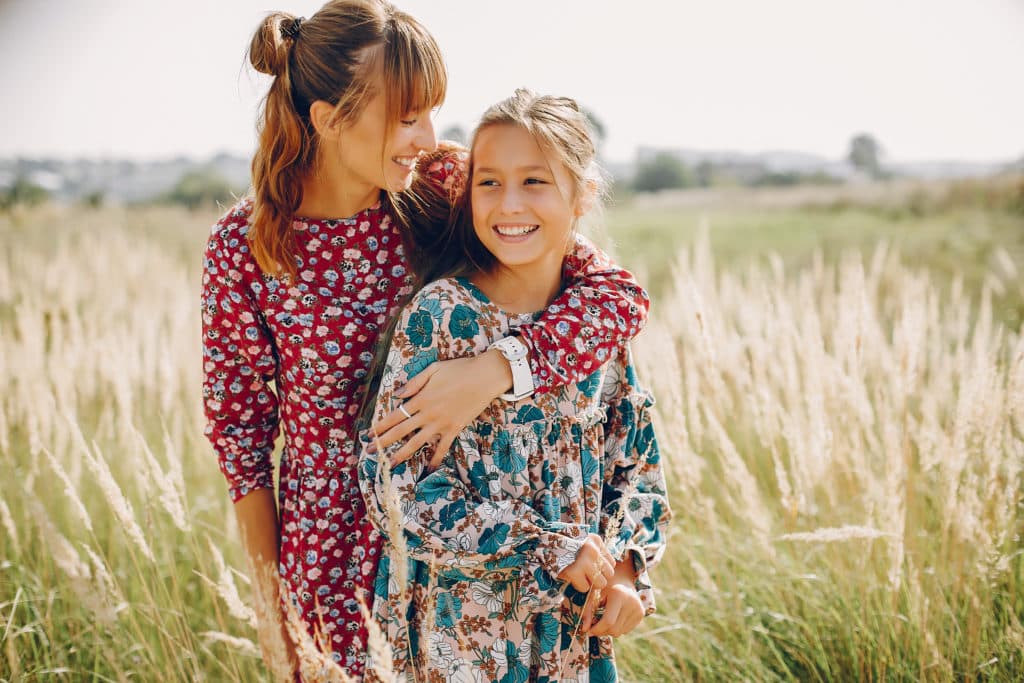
600 310
238 363
635 508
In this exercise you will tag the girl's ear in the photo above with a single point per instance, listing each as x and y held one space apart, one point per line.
587 198
321 115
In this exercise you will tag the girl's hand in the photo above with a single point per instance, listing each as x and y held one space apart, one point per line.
592 568
623 609
623 612
442 400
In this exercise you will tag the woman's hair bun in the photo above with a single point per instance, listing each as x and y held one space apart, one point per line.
268 51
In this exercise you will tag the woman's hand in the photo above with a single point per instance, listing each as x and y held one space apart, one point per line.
592 568
442 400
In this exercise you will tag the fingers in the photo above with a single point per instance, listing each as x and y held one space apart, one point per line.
606 623
413 386
441 450
395 434
409 449
587 618
623 612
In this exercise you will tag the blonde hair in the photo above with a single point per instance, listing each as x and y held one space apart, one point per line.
563 131
339 55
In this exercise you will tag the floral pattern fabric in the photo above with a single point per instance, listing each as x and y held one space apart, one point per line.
283 356
466 589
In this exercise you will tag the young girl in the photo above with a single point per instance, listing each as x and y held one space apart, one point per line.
349 198
554 489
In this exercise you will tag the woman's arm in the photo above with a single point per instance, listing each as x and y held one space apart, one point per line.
238 363
597 314
242 422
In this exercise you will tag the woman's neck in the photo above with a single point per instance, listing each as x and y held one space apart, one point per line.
521 289
325 194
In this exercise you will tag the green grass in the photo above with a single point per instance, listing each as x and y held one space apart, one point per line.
115 295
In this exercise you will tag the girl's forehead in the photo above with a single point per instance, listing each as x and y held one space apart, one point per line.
507 145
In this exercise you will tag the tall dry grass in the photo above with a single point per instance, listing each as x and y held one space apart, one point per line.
844 445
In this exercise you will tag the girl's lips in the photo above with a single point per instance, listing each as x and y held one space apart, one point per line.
514 233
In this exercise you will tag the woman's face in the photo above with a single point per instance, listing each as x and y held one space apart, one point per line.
524 201
371 155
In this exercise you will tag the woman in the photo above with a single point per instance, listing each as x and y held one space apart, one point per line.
349 194
554 489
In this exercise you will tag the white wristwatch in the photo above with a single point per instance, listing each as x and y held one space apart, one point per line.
515 351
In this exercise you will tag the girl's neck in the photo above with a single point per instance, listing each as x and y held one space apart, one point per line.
520 290
326 194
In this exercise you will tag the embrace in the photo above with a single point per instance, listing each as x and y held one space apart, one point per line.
468 458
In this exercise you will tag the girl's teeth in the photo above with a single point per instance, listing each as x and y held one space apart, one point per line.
406 161
514 231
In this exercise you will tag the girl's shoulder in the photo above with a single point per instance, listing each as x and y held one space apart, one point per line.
450 292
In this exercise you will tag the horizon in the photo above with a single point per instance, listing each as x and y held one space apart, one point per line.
929 80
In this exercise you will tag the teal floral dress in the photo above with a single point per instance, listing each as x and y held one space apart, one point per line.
466 587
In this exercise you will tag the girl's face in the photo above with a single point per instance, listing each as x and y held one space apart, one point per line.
524 202
372 156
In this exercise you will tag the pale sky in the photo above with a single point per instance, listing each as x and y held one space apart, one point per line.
931 79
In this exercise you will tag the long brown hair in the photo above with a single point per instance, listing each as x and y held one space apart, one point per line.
335 56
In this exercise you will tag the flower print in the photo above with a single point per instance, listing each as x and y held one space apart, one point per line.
506 456
486 594
420 328
506 655
492 539
289 304
462 671
449 610
332 348
307 275
440 650
463 324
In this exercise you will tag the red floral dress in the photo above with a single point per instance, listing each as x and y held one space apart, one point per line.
292 356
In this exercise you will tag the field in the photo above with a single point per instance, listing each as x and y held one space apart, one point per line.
840 385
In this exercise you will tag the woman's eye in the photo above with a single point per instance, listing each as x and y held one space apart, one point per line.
535 181
488 183
408 122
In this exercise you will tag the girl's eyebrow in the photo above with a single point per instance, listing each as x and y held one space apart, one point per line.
522 169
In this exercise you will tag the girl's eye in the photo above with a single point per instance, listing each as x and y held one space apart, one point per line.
488 183
535 181
408 122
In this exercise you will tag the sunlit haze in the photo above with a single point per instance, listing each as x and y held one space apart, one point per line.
937 79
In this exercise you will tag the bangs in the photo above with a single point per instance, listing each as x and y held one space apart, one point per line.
414 75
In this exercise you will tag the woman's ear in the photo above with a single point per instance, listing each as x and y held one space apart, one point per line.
587 197
322 116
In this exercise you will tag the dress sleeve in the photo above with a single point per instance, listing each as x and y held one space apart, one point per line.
600 310
238 362
635 510
440 518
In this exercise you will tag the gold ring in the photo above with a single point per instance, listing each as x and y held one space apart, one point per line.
405 412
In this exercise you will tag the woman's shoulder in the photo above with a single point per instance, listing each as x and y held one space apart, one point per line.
233 225
227 245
